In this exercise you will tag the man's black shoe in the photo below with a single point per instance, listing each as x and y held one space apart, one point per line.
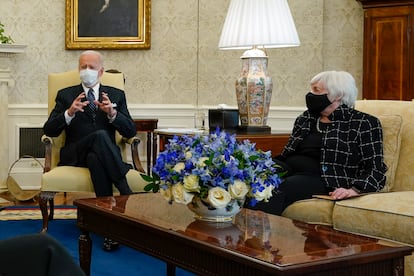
110 245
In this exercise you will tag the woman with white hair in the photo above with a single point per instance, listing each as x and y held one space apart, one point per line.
333 150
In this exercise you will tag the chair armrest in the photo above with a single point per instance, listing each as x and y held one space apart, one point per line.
47 141
134 142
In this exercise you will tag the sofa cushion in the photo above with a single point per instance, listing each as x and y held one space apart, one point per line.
391 128
315 210
384 215
404 175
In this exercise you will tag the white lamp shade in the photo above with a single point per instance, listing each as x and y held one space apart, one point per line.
266 23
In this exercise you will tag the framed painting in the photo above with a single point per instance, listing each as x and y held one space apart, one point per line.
108 24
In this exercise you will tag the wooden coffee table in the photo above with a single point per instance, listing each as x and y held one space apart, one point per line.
254 244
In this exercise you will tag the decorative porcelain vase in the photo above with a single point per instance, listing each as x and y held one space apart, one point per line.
254 91
206 212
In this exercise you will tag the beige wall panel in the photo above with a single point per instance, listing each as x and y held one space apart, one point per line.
184 65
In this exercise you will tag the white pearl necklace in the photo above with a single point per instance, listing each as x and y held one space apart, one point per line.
317 125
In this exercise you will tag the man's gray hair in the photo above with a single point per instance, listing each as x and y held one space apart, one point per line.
92 52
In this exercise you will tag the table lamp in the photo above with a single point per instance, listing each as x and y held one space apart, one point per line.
254 24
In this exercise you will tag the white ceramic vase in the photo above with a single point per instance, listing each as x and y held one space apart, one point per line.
206 212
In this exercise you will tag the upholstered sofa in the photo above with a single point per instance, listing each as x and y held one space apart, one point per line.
389 214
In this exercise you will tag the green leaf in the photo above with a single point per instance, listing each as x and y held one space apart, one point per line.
153 182
156 188
203 192
147 178
175 178
149 187
152 187
4 39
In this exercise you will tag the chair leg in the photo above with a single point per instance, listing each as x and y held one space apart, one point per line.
44 199
43 208
52 208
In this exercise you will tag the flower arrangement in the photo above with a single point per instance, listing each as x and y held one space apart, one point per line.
216 168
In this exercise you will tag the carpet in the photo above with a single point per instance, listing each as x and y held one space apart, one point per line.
124 261
5 202
30 212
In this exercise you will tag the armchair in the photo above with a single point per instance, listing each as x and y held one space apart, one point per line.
75 179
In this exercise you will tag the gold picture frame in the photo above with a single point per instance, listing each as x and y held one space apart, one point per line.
106 24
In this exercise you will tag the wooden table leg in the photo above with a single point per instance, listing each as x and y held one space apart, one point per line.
170 269
148 126
85 252
149 148
154 149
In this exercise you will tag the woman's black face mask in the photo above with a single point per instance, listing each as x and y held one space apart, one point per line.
317 103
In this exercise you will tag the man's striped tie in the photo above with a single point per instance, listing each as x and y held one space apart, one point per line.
91 98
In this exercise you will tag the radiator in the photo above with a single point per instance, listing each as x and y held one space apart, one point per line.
30 143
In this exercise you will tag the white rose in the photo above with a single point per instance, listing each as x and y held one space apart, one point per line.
265 194
238 189
179 167
180 195
188 155
201 161
218 197
167 193
191 183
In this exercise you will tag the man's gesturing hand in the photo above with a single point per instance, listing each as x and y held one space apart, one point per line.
106 105
78 104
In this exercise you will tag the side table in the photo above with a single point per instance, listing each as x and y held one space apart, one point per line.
274 141
148 126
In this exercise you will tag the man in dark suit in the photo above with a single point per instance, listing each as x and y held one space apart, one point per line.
90 113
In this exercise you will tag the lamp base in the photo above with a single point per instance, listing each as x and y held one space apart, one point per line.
253 129
254 92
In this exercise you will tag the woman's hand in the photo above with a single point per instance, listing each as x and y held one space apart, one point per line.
342 193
